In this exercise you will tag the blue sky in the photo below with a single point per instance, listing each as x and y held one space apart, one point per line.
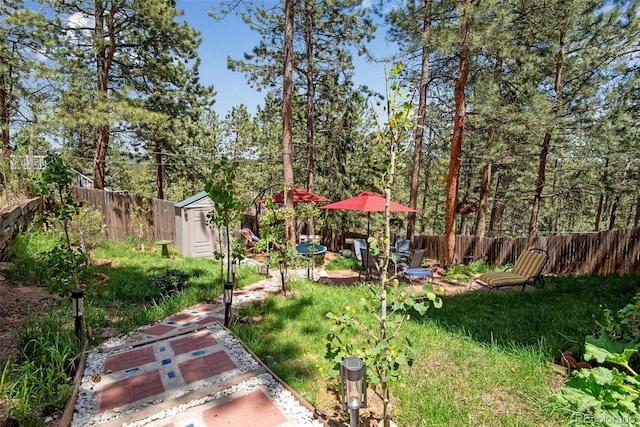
232 37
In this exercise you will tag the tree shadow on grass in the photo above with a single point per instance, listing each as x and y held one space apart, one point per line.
555 318
274 345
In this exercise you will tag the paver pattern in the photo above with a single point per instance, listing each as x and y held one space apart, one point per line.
183 372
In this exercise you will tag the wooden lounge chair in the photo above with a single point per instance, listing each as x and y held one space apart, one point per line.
526 271
250 239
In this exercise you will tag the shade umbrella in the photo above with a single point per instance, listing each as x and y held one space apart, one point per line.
368 202
299 195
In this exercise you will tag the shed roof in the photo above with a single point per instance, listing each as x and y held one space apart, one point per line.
186 202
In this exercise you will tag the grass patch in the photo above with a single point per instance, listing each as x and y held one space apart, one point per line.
485 357
342 263
554 318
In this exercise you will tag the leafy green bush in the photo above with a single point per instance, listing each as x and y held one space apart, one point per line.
86 229
171 282
604 395
60 262
464 273
625 324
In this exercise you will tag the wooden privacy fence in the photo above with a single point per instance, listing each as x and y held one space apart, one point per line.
615 251
118 211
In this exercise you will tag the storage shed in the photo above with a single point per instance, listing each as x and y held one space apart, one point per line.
194 236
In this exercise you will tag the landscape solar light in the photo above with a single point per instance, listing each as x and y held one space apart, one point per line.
234 268
77 298
353 379
228 299
268 262
283 269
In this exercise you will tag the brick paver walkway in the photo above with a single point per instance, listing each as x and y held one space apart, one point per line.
185 371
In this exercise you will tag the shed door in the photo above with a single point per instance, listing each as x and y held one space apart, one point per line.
202 235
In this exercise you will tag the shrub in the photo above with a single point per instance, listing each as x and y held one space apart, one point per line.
606 395
625 324
171 282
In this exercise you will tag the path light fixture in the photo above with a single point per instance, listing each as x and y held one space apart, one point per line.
234 268
283 271
353 379
268 262
77 298
228 299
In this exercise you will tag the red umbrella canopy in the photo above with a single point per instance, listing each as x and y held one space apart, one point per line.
368 202
299 195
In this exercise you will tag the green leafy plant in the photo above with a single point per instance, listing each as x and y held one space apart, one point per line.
140 221
625 324
38 382
60 261
464 273
384 356
272 226
226 208
69 267
171 282
387 304
604 395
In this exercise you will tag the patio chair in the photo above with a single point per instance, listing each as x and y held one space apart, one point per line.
401 249
415 261
357 245
369 267
526 271
414 269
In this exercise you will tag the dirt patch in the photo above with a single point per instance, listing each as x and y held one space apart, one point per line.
18 304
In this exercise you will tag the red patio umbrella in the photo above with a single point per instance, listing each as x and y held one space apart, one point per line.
299 195
368 202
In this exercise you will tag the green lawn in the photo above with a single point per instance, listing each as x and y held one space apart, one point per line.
485 358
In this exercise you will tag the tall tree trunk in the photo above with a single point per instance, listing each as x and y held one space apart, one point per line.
104 58
636 219
160 187
497 211
468 179
308 35
614 212
5 121
537 198
542 164
420 122
485 182
483 204
601 204
287 121
596 225
456 141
